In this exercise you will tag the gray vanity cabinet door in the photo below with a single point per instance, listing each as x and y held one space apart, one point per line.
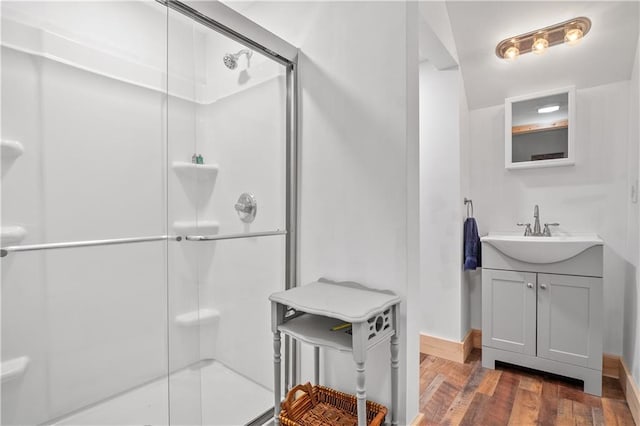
509 310
570 319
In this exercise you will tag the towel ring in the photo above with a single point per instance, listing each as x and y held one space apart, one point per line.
469 203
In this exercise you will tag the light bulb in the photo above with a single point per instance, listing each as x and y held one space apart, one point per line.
572 35
511 53
540 45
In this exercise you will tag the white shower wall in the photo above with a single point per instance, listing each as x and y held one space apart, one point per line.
87 100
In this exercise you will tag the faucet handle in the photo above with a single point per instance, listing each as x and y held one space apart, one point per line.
527 228
547 232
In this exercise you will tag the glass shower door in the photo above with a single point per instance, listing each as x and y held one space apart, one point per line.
227 155
83 150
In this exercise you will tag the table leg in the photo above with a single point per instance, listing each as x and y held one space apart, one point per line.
316 364
395 365
276 377
361 394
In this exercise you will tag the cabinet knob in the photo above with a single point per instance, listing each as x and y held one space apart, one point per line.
543 286
530 285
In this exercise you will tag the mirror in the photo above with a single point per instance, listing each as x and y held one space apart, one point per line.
539 129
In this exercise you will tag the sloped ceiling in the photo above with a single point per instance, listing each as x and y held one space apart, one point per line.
605 55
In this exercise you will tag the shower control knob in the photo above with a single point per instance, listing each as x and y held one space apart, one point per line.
246 207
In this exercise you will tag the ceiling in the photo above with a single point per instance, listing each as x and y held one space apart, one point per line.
605 55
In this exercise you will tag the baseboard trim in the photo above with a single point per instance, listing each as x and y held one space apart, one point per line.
476 336
611 366
418 418
447 349
630 389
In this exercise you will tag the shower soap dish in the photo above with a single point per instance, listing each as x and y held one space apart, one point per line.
322 406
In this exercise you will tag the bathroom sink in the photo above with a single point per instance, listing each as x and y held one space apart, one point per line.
542 249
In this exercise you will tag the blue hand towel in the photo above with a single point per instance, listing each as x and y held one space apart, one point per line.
472 246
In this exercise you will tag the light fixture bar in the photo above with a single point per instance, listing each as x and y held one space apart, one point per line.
547 109
554 34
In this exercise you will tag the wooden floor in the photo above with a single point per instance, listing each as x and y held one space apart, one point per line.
467 394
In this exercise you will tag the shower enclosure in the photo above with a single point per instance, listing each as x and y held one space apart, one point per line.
148 210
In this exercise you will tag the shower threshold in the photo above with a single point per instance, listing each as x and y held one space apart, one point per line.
206 393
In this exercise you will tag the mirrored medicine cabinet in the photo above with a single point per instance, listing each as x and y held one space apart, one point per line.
539 129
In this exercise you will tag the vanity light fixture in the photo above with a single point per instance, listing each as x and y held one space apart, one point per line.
547 109
538 41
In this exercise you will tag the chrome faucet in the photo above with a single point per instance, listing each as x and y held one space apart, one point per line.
537 232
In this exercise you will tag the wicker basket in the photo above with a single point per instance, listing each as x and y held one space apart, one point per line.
321 406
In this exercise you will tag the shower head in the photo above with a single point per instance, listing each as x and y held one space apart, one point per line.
231 59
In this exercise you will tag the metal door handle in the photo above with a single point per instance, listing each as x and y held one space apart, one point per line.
543 286
530 285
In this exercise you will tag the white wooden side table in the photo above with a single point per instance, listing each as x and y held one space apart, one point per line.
323 305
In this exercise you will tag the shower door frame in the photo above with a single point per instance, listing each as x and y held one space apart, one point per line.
285 54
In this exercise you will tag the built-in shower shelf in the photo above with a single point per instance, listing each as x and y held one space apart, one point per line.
204 227
12 234
200 317
206 171
13 368
10 149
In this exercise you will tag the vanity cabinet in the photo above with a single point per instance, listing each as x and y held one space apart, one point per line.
544 316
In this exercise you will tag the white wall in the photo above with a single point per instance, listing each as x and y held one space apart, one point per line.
465 185
354 161
441 203
591 196
631 337
358 68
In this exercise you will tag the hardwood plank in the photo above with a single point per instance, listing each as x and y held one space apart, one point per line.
459 406
489 382
597 416
458 374
531 384
548 414
616 413
576 394
426 378
526 407
582 414
611 389
565 412
475 411
501 402
550 390
431 389
437 406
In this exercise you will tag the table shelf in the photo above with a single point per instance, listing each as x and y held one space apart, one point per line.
316 330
